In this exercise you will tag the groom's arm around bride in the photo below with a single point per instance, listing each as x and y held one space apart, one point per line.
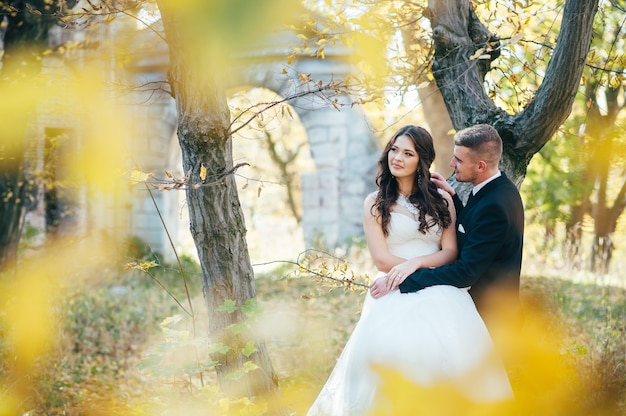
489 228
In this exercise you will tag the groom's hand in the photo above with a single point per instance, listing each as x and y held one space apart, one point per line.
441 182
379 289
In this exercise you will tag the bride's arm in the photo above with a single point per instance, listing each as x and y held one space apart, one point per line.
375 237
447 254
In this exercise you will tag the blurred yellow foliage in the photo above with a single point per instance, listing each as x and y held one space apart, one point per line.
29 305
398 396
105 131
543 382
369 55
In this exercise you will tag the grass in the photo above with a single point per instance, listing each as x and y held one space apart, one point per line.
591 320
108 324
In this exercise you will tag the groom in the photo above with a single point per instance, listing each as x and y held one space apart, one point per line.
489 230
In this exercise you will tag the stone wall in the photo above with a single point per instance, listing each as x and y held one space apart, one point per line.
343 147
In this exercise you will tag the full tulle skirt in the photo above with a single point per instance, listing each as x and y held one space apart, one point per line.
428 337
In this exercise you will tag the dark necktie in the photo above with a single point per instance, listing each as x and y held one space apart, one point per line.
471 195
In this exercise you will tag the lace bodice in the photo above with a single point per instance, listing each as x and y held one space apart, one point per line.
405 240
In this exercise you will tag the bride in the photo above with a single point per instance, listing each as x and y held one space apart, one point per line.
430 337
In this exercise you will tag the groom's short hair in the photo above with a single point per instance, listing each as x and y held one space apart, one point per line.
483 140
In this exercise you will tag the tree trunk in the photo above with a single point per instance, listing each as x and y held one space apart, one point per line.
12 193
598 139
438 120
601 132
605 216
573 236
216 218
458 35
13 185
218 229
433 105
284 165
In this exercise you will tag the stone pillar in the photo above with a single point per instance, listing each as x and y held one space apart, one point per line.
153 131
345 153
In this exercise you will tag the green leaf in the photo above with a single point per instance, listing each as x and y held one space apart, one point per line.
238 328
251 308
229 306
249 349
249 366
219 347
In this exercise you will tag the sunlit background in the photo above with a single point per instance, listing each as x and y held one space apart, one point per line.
90 323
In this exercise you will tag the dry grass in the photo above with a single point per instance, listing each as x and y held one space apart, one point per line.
108 326
573 345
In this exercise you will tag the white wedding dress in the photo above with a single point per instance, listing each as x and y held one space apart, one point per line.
429 337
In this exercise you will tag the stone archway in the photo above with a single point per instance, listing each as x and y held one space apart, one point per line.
342 145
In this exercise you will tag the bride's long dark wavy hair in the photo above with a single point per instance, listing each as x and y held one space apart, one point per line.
424 196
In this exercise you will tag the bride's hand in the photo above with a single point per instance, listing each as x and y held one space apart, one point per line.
378 289
399 273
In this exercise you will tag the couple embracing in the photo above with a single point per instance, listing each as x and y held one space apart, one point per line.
445 270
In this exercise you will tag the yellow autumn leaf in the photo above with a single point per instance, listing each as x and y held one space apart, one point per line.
477 54
32 10
516 38
137 176
615 83
171 320
202 172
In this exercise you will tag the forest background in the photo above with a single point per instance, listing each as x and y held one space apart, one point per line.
93 331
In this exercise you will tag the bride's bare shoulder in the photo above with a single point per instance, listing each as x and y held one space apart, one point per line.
370 200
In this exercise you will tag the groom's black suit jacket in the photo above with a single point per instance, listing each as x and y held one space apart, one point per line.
490 230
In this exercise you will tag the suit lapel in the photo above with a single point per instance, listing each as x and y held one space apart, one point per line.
475 199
